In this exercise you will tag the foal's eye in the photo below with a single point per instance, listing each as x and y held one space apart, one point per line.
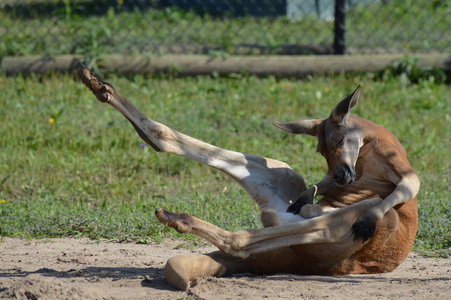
341 142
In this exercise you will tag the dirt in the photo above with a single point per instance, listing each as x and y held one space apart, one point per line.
86 269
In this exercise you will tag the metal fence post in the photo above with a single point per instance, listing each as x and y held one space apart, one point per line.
339 28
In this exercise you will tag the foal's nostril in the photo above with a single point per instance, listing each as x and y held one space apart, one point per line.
344 175
340 175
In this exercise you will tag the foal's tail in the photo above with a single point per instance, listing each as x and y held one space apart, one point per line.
181 271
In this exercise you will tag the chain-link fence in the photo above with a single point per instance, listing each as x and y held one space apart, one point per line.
214 27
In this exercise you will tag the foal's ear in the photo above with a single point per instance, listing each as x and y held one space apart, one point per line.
342 111
309 127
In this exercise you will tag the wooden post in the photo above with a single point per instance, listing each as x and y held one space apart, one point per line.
339 29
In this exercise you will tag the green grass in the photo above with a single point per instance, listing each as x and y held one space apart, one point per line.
86 174
95 28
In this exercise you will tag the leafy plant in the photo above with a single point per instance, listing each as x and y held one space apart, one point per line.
407 70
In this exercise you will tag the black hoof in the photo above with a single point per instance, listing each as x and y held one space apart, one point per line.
157 209
295 208
364 229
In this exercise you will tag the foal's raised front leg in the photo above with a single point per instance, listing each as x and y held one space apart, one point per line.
271 184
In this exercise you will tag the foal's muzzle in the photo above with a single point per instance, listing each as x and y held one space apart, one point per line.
344 175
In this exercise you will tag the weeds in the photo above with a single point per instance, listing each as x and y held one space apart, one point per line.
51 27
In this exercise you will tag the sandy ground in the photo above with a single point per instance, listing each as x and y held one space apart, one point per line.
85 269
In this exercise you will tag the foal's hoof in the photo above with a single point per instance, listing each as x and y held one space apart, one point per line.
182 222
295 208
309 211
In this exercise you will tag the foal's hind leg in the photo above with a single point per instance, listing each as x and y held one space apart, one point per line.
330 228
271 184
